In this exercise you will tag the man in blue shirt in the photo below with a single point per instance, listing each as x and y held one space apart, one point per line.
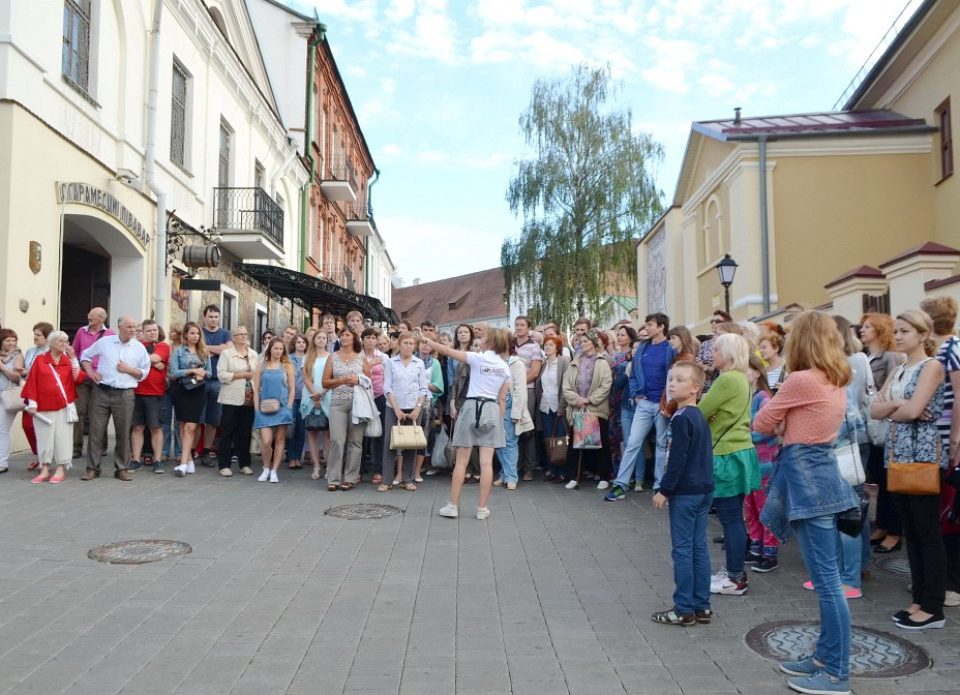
648 378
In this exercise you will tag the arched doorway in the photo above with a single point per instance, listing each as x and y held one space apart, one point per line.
100 266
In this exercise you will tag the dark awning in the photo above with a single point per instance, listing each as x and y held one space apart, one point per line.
314 293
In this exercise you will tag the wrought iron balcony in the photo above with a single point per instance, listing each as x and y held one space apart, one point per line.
338 181
249 222
359 220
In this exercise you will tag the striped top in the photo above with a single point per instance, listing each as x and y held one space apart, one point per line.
949 356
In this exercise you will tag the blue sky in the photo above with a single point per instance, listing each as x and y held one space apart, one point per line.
438 87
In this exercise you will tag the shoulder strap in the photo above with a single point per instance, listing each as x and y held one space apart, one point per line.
59 383
730 426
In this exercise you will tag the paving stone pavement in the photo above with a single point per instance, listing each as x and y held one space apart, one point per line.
551 595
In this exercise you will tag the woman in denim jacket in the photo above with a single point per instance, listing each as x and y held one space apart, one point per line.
806 491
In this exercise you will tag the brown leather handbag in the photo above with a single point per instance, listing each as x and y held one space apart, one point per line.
912 477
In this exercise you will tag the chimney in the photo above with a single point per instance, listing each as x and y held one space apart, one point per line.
736 115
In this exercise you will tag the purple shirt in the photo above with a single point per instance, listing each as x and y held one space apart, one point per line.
84 339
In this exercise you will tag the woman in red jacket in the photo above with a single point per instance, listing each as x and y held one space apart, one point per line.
50 392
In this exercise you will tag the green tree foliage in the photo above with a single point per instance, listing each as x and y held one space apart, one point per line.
585 195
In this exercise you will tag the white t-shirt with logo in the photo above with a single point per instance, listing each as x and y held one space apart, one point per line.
488 374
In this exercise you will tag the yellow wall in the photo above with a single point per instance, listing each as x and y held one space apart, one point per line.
833 213
939 79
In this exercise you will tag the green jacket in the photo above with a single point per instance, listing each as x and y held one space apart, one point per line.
726 406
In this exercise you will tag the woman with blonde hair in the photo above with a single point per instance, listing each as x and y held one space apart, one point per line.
736 468
806 492
315 400
274 386
190 368
876 333
915 390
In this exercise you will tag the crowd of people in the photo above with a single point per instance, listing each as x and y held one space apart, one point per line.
781 430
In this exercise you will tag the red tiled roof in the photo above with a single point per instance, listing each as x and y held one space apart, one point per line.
931 248
802 124
864 271
464 298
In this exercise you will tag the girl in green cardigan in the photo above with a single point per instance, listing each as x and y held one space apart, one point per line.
736 469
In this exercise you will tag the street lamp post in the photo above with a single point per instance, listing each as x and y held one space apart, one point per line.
727 268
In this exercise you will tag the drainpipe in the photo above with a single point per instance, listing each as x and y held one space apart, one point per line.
150 169
366 264
764 226
312 44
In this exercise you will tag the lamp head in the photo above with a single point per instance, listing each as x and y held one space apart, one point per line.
727 268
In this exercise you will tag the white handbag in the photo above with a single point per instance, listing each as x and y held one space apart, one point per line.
848 459
12 401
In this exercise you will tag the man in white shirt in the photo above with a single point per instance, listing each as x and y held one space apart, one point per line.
123 363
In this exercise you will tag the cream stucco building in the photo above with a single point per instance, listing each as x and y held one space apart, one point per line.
803 201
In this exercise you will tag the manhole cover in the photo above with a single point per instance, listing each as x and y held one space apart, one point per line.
873 654
363 511
894 565
137 552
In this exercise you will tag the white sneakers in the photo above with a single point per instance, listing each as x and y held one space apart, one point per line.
226 472
449 510
511 486
265 476
603 485
246 470
273 477
572 485
190 468
180 470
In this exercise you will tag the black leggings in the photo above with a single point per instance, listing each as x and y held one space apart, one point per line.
887 517
920 515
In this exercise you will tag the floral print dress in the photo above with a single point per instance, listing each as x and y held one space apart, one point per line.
918 440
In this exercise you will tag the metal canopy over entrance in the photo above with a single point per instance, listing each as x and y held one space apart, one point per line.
315 293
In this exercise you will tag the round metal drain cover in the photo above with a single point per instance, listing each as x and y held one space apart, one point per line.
894 565
363 511
137 552
873 654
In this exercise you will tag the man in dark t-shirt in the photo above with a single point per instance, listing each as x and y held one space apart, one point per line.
217 340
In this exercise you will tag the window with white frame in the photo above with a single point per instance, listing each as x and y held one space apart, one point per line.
259 175
178 114
228 308
223 157
75 62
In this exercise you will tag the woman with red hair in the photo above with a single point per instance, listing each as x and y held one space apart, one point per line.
876 333
552 410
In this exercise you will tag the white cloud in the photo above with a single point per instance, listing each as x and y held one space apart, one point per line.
432 156
361 11
388 85
673 58
490 161
390 150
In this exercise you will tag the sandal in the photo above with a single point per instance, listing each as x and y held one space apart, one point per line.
671 617
527 477
377 479
332 487
383 488
57 479
316 474
410 487
33 466
346 486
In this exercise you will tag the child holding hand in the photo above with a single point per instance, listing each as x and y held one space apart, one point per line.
686 490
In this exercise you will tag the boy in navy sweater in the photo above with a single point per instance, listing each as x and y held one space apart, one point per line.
686 489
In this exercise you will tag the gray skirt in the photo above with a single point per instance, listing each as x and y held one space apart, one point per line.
466 433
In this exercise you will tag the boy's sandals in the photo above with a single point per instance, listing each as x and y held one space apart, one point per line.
383 488
671 617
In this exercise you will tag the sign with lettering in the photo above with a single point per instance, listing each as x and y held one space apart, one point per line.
85 194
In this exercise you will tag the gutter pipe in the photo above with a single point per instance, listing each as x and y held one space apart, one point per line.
150 169
320 33
764 226
366 247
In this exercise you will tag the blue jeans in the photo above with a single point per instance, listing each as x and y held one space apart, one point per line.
646 417
171 435
691 556
296 434
730 515
817 537
509 454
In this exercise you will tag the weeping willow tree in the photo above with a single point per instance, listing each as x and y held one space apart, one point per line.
585 195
